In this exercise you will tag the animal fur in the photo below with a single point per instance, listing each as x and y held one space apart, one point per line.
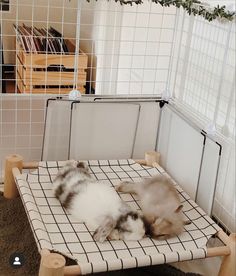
160 205
96 204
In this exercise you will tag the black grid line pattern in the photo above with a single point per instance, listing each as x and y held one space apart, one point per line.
54 228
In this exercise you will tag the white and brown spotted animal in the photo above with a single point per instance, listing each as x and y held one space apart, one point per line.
96 204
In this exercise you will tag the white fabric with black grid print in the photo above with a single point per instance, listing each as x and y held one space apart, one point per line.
55 229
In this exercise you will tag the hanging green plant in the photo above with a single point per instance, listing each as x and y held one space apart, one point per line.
194 7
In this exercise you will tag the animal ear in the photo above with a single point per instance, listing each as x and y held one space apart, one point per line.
179 209
82 165
104 230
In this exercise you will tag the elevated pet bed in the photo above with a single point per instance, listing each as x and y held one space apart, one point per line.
55 229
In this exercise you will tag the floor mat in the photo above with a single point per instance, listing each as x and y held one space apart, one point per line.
16 237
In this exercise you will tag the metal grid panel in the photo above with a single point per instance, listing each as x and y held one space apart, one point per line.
22 115
129 47
128 51
131 50
61 15
202 84
203 78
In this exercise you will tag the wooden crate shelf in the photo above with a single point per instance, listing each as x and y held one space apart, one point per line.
40 73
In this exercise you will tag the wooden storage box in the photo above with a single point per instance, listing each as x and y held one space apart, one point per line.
49 73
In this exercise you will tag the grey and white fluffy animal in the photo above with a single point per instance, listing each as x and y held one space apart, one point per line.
96 204
160 205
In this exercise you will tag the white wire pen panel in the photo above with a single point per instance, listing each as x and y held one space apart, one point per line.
57 127
103 129
208 174
123 49
114 49
57 130
203 73
202 84
181 148
129 47
225 198
39 47
25 75
21 127
147 130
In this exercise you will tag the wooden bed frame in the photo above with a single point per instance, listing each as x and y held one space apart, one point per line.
53 264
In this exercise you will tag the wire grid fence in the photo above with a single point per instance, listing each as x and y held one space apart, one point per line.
202 85
203 73
128 50
142 50
22 114
26 73
129 47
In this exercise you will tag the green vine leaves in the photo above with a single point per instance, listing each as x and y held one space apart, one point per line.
194 7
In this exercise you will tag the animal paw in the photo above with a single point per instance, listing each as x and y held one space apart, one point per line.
115 235
98 237
122 186
126 187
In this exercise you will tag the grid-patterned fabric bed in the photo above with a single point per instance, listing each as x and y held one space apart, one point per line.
55 229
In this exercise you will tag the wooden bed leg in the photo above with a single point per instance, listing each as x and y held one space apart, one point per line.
10 189
152 157
52 264
228 266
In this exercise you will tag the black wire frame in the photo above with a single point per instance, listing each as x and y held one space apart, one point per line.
161 103
95 99
205 137
101 102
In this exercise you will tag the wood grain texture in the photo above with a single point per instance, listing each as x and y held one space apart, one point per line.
12 161
32 71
